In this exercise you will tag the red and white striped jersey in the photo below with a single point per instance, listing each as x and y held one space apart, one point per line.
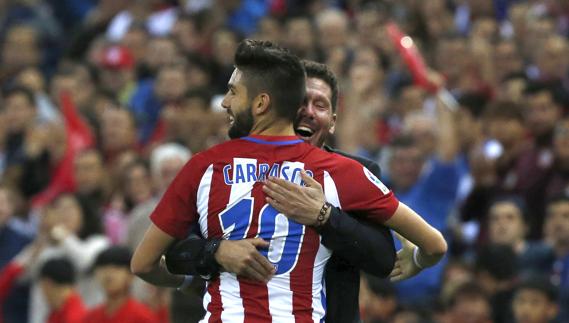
221 190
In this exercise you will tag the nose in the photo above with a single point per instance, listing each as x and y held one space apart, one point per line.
307 110
225 102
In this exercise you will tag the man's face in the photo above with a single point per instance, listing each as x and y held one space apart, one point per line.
532 306
471 310
238 107
557 223
316 120
541 113
405 166
88 168
506 223
171 84
118 131
19 112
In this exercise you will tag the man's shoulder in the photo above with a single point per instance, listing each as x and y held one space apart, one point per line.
362 160
368 163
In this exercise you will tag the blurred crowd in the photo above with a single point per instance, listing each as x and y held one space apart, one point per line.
103 102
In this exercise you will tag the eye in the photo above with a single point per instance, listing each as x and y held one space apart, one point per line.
321 106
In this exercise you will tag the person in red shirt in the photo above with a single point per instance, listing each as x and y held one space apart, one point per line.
57 279
112 271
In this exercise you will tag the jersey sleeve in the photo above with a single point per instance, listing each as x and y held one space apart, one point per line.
361 192
177 212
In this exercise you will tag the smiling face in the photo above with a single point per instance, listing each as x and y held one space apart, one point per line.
238 106
316 120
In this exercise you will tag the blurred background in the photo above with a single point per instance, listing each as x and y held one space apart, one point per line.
103 101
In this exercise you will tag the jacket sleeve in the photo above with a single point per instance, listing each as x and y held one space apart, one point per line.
365 245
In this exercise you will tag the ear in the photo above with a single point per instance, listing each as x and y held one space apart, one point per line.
261 103
333 124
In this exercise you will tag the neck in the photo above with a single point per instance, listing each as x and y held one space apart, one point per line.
62 297
275 128
115 302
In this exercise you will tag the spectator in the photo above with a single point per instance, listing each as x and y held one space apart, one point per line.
12 239
469 304
79 81
56 280
159 52
118 76
118 134
508 226
494 164
378 300
535 301
20 49
58 236
112 271
455 274
496 273
557 234
135 189
21 116
166 160
33 79
14 302
168 89
92 187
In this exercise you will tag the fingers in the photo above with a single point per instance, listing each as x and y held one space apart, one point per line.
308 180
265 266
259 243
252 274
396 279
279 183
278 206
257 271
274 192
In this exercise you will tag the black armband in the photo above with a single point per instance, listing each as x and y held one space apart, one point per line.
207 266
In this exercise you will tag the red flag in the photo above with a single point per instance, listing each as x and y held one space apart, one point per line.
411 56
78 137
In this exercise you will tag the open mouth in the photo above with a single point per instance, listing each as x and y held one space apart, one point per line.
230 118
304 132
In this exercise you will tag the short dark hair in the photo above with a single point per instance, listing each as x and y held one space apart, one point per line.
322 72
558 198
267 67
115 255
468 290
20 90
58 270
540 284
474 102
515 200
555 89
